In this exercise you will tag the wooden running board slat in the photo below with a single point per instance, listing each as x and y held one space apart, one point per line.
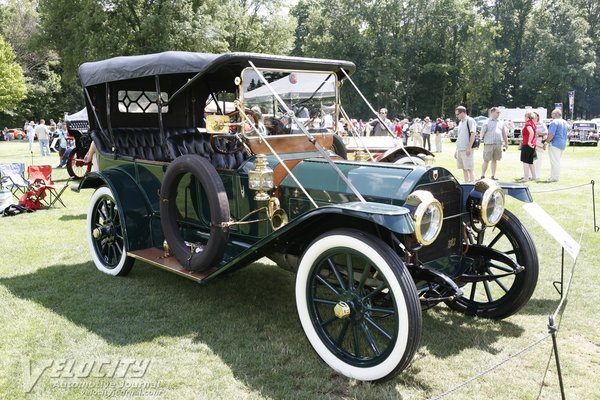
157 258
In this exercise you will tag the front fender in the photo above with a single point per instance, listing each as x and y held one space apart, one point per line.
519 191
136 211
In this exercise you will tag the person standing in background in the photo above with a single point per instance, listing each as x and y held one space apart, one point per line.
467 129
493 134
42 132
528 147
540 147
557 138
426 132
30 134
439 130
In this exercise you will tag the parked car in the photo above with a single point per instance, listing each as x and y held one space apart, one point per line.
372 244
78 128
515 136
583 133
15 133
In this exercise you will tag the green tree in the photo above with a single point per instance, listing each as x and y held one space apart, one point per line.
562 56
12 86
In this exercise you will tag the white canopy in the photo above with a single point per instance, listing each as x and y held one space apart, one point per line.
80 115
298 85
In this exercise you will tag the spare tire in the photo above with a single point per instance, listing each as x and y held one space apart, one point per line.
203 257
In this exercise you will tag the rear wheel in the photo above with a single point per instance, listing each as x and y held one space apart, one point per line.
105 234
358 305
501 296
76 167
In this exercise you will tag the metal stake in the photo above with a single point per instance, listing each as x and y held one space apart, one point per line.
553 329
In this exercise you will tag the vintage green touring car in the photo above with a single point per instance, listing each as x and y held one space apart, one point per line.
209 162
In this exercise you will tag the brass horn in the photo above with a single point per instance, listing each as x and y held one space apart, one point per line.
277 216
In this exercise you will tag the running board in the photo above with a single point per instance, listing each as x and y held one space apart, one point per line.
157 258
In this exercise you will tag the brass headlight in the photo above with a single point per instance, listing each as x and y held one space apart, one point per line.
427 215
487 200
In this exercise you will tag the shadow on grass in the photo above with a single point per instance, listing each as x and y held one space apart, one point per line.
248 318
68 217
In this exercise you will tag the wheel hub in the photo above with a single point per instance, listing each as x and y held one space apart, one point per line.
341 310
350 305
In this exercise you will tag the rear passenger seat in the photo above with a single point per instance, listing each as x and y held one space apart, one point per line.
146 144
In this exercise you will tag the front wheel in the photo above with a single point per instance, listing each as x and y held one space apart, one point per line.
105 234
500 294
358 305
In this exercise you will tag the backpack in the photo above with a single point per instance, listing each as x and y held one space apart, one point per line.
15 209
30 200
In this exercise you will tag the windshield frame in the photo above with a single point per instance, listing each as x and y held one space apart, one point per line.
336 84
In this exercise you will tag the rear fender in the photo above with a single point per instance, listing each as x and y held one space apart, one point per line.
136 211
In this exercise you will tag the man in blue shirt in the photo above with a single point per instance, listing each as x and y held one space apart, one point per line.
557 138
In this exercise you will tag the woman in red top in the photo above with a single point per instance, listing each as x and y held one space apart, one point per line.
528 147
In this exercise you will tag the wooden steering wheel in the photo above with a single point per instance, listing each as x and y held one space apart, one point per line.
217 141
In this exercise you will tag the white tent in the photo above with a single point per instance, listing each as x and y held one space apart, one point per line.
80 115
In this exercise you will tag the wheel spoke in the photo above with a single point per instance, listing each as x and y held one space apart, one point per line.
343 332
370 339
364 276
336 272
102 211
486 285
329 285
324 301
356 344
498 282
328 321
495 240
115 254
473 289
382 310
350 271
376 291
500 267
379 327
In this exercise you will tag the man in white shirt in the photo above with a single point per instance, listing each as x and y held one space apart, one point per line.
467 129
42 132
493 134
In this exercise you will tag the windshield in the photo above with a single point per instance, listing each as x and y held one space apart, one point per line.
310 95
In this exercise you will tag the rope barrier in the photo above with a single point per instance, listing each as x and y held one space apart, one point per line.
493 367
552 327
562 189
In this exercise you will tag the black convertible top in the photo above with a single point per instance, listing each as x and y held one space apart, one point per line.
175 62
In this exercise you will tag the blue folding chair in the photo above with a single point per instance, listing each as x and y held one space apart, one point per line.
11 177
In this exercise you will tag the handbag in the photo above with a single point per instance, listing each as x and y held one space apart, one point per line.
477 140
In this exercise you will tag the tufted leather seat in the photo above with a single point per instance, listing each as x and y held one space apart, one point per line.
146 144
193 142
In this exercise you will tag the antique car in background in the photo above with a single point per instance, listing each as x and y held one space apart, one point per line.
78 128
203 192
583 133
515 136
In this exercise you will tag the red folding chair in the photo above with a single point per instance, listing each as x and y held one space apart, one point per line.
40 181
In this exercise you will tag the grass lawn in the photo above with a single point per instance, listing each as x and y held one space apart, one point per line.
239 336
